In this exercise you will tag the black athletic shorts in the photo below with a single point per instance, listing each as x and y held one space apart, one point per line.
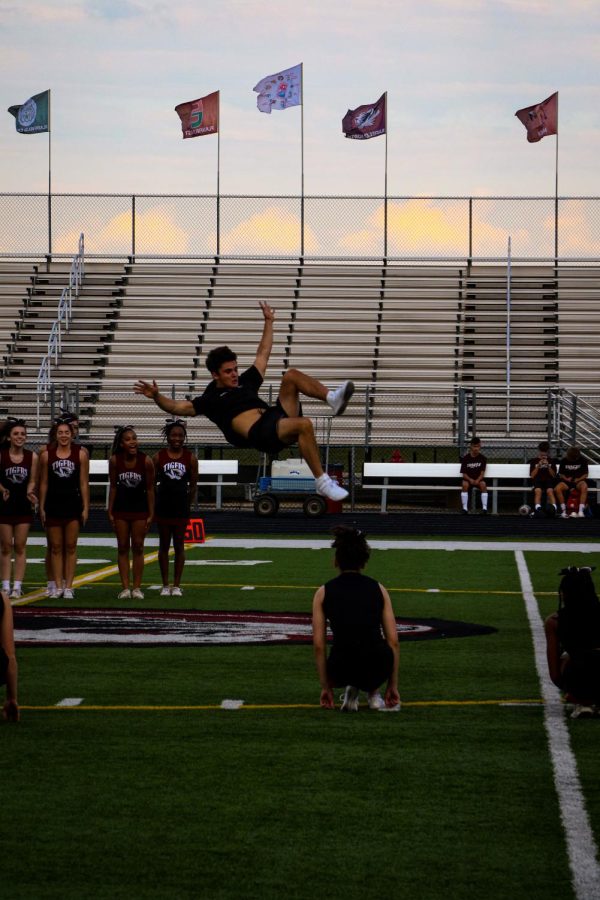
263 434
366 668
543 485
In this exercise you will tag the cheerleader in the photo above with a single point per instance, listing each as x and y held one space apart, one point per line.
176 479
64 503
18 477
130 507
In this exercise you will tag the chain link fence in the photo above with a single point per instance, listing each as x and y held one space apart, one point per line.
290 227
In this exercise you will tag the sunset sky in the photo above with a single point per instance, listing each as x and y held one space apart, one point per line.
455 71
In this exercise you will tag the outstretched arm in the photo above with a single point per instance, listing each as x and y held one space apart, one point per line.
265 346
173 407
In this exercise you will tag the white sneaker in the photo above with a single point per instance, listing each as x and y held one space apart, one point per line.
137 594
581 514
176 592
124 595
376 701
55 595
350 699
50 587
339 398
564 515
15 594
165 591
327 487
68 594
582 711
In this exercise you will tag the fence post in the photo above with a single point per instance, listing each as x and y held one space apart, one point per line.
574 419
470 257
133 227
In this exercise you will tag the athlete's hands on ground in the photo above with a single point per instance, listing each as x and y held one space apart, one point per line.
392 697
327 698
10 711
148 390
267 311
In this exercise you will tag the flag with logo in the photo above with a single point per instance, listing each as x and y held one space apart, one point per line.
32 117
366 121
540 120
280 90
199 117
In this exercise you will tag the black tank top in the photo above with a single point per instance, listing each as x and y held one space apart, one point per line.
15 476
63 500
353 606
132 492
173 484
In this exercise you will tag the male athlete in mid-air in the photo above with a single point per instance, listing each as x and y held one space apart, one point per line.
231 401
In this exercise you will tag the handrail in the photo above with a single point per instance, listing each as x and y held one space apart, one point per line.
63 321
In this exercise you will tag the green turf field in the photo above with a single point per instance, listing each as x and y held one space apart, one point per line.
149 789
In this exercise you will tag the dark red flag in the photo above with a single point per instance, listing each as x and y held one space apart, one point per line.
540 120
199 117
367 121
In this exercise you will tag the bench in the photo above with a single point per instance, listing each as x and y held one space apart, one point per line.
495 474
206 467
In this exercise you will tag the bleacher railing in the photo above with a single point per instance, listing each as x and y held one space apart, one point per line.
204 226
423 416
61 326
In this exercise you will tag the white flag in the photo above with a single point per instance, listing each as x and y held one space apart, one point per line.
281 90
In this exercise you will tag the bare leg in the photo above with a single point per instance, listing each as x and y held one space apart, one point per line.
294 383
301 430
6 546
122 530
56 543
21 533
138 535
179 547
164 542
70 555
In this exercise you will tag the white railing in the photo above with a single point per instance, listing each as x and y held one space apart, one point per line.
62 324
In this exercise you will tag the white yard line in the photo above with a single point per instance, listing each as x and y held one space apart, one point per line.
376 544
581 846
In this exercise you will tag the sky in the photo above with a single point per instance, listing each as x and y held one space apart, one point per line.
455 72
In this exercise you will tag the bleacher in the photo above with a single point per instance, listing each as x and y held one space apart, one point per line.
414 330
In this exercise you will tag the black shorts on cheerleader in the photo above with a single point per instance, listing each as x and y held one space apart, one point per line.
172 521
17 520
125 516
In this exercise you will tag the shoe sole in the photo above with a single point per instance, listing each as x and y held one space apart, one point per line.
347 397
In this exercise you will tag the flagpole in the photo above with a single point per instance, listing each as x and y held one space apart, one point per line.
219 180
385 203
556 191
49 174
302 161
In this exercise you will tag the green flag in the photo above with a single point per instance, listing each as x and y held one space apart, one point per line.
32 116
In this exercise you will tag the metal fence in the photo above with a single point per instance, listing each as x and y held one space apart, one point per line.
292 227
441 417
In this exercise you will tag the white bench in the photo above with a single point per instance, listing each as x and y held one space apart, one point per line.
206 467
450 472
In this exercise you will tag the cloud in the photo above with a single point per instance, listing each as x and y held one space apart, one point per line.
273 231
422 227
156 233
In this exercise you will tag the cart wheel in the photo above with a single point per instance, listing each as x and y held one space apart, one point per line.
314 506
266 505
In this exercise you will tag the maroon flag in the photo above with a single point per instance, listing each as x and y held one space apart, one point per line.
540 120
367 121
199 117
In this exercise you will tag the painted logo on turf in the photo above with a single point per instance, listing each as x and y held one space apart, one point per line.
156 627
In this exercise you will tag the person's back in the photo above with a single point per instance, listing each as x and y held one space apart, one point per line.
578 631
353 607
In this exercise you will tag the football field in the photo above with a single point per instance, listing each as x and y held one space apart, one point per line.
175 747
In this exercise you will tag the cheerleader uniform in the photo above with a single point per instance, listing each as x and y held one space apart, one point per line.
15 476
173 478
63 499
131 496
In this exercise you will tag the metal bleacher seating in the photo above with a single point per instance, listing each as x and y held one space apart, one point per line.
405 333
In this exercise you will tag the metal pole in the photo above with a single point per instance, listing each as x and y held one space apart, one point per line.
133 227
302 161
49 176
508 373
385 186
